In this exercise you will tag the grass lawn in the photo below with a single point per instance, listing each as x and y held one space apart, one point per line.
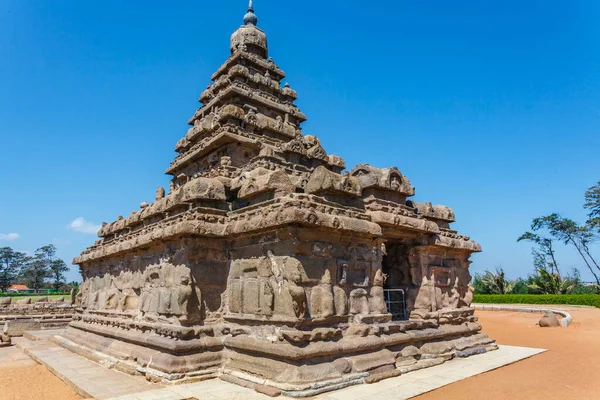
39 296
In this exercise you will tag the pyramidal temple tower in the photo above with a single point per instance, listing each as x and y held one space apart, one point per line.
267 265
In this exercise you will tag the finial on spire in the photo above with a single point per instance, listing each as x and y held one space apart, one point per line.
250 18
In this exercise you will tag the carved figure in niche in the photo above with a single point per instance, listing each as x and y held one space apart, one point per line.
345 180
395 182
98 286
340 300
181 293
83 293
225 161
298 298
358 302
266 297
318 152
468 297
213 159
376 299
171 187
112 295
287 275
321 298
94 300
279 123
215 123
251 117
149 299
164 296
454 295
423 297
160 193
343 273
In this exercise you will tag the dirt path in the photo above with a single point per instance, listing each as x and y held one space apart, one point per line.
33 383
570 369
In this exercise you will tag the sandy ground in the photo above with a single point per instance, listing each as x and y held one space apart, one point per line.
34 382
570 369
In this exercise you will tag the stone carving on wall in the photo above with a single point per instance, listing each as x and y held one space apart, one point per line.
383 178
160 290
160 193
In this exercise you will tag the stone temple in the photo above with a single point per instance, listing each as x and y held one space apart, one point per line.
269 266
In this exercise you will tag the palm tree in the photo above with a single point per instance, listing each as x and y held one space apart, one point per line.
496 283
545 282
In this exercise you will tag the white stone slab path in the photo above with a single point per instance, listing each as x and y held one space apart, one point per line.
402 387
96 381
426 380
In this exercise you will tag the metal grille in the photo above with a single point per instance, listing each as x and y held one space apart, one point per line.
394 299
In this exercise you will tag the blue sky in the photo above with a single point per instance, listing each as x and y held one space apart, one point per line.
492 108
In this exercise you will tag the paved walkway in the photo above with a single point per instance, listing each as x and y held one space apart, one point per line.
92 380
87 378
402 387
426 380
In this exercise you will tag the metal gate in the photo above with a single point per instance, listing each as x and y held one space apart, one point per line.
394 299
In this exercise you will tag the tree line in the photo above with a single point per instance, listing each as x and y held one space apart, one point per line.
547 276
36 271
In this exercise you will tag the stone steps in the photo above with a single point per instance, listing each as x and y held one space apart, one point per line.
87 378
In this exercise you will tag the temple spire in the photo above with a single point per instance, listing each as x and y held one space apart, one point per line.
250 18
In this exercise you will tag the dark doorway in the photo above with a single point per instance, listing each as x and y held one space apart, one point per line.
396 268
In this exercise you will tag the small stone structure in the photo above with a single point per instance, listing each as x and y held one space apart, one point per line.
18 316
267 264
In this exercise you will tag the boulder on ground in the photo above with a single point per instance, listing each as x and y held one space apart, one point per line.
4 340
5 300
58 300
549 320
42 300
17 327
26 300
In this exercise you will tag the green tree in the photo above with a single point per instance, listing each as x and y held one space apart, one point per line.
34 272
11 263
73 284
543 257
40 267
494 283
546 282
592 204
569 232
58 268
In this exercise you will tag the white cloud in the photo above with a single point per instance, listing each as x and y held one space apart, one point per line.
83 226
9 236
